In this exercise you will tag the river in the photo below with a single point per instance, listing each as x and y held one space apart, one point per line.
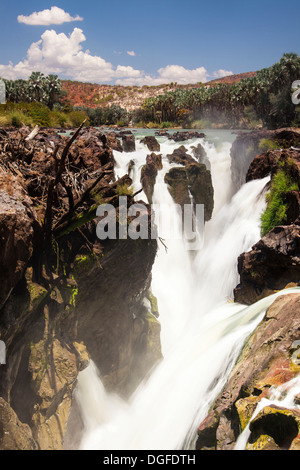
202 329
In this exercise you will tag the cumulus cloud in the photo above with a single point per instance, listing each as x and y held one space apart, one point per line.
132 53
222 73
63 55
46 17
168 74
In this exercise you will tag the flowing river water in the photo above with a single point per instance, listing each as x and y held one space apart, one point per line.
202 329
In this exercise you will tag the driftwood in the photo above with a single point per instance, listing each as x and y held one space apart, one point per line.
60 169
33 133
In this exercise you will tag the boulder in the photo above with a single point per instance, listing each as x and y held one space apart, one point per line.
180 156
272 264
151 143
128 142
113 142
193 180
181 136
270 162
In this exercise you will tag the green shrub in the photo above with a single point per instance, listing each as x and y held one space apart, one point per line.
18 119
124 190
275 213
153 125
76 118
266 144
59 119
168 125
40 114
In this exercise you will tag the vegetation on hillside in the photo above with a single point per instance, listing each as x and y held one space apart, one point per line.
263 99
256 99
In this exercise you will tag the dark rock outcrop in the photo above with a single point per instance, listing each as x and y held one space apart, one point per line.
113 142
149 173
151 143
193 180
270 162
180 156
261 365
181 136
271 265
128 142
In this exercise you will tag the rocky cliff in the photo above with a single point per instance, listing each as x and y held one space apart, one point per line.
65 295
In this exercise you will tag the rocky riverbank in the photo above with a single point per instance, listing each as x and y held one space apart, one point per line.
65 296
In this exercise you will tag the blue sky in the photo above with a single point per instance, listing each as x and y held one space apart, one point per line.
140 43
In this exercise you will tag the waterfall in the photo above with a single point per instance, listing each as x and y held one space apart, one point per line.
202 330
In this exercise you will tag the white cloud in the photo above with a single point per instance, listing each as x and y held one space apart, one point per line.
63 55
132 53
168 74
177 73
221 73
46 17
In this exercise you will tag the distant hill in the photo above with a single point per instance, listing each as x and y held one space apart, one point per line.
230 79
92 95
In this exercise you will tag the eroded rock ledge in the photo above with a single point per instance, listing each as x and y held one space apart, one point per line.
65 295
266 360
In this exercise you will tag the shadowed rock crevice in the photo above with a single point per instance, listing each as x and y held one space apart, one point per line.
282 428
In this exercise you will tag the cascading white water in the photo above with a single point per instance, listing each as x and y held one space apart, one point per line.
201 331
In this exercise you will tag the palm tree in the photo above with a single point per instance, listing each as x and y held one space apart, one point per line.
53 88
37 86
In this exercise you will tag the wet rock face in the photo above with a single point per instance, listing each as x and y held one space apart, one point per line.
280 424
128 142
261 365
191 180
151 143
180 156
18 230
271 265
247 146
149 173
